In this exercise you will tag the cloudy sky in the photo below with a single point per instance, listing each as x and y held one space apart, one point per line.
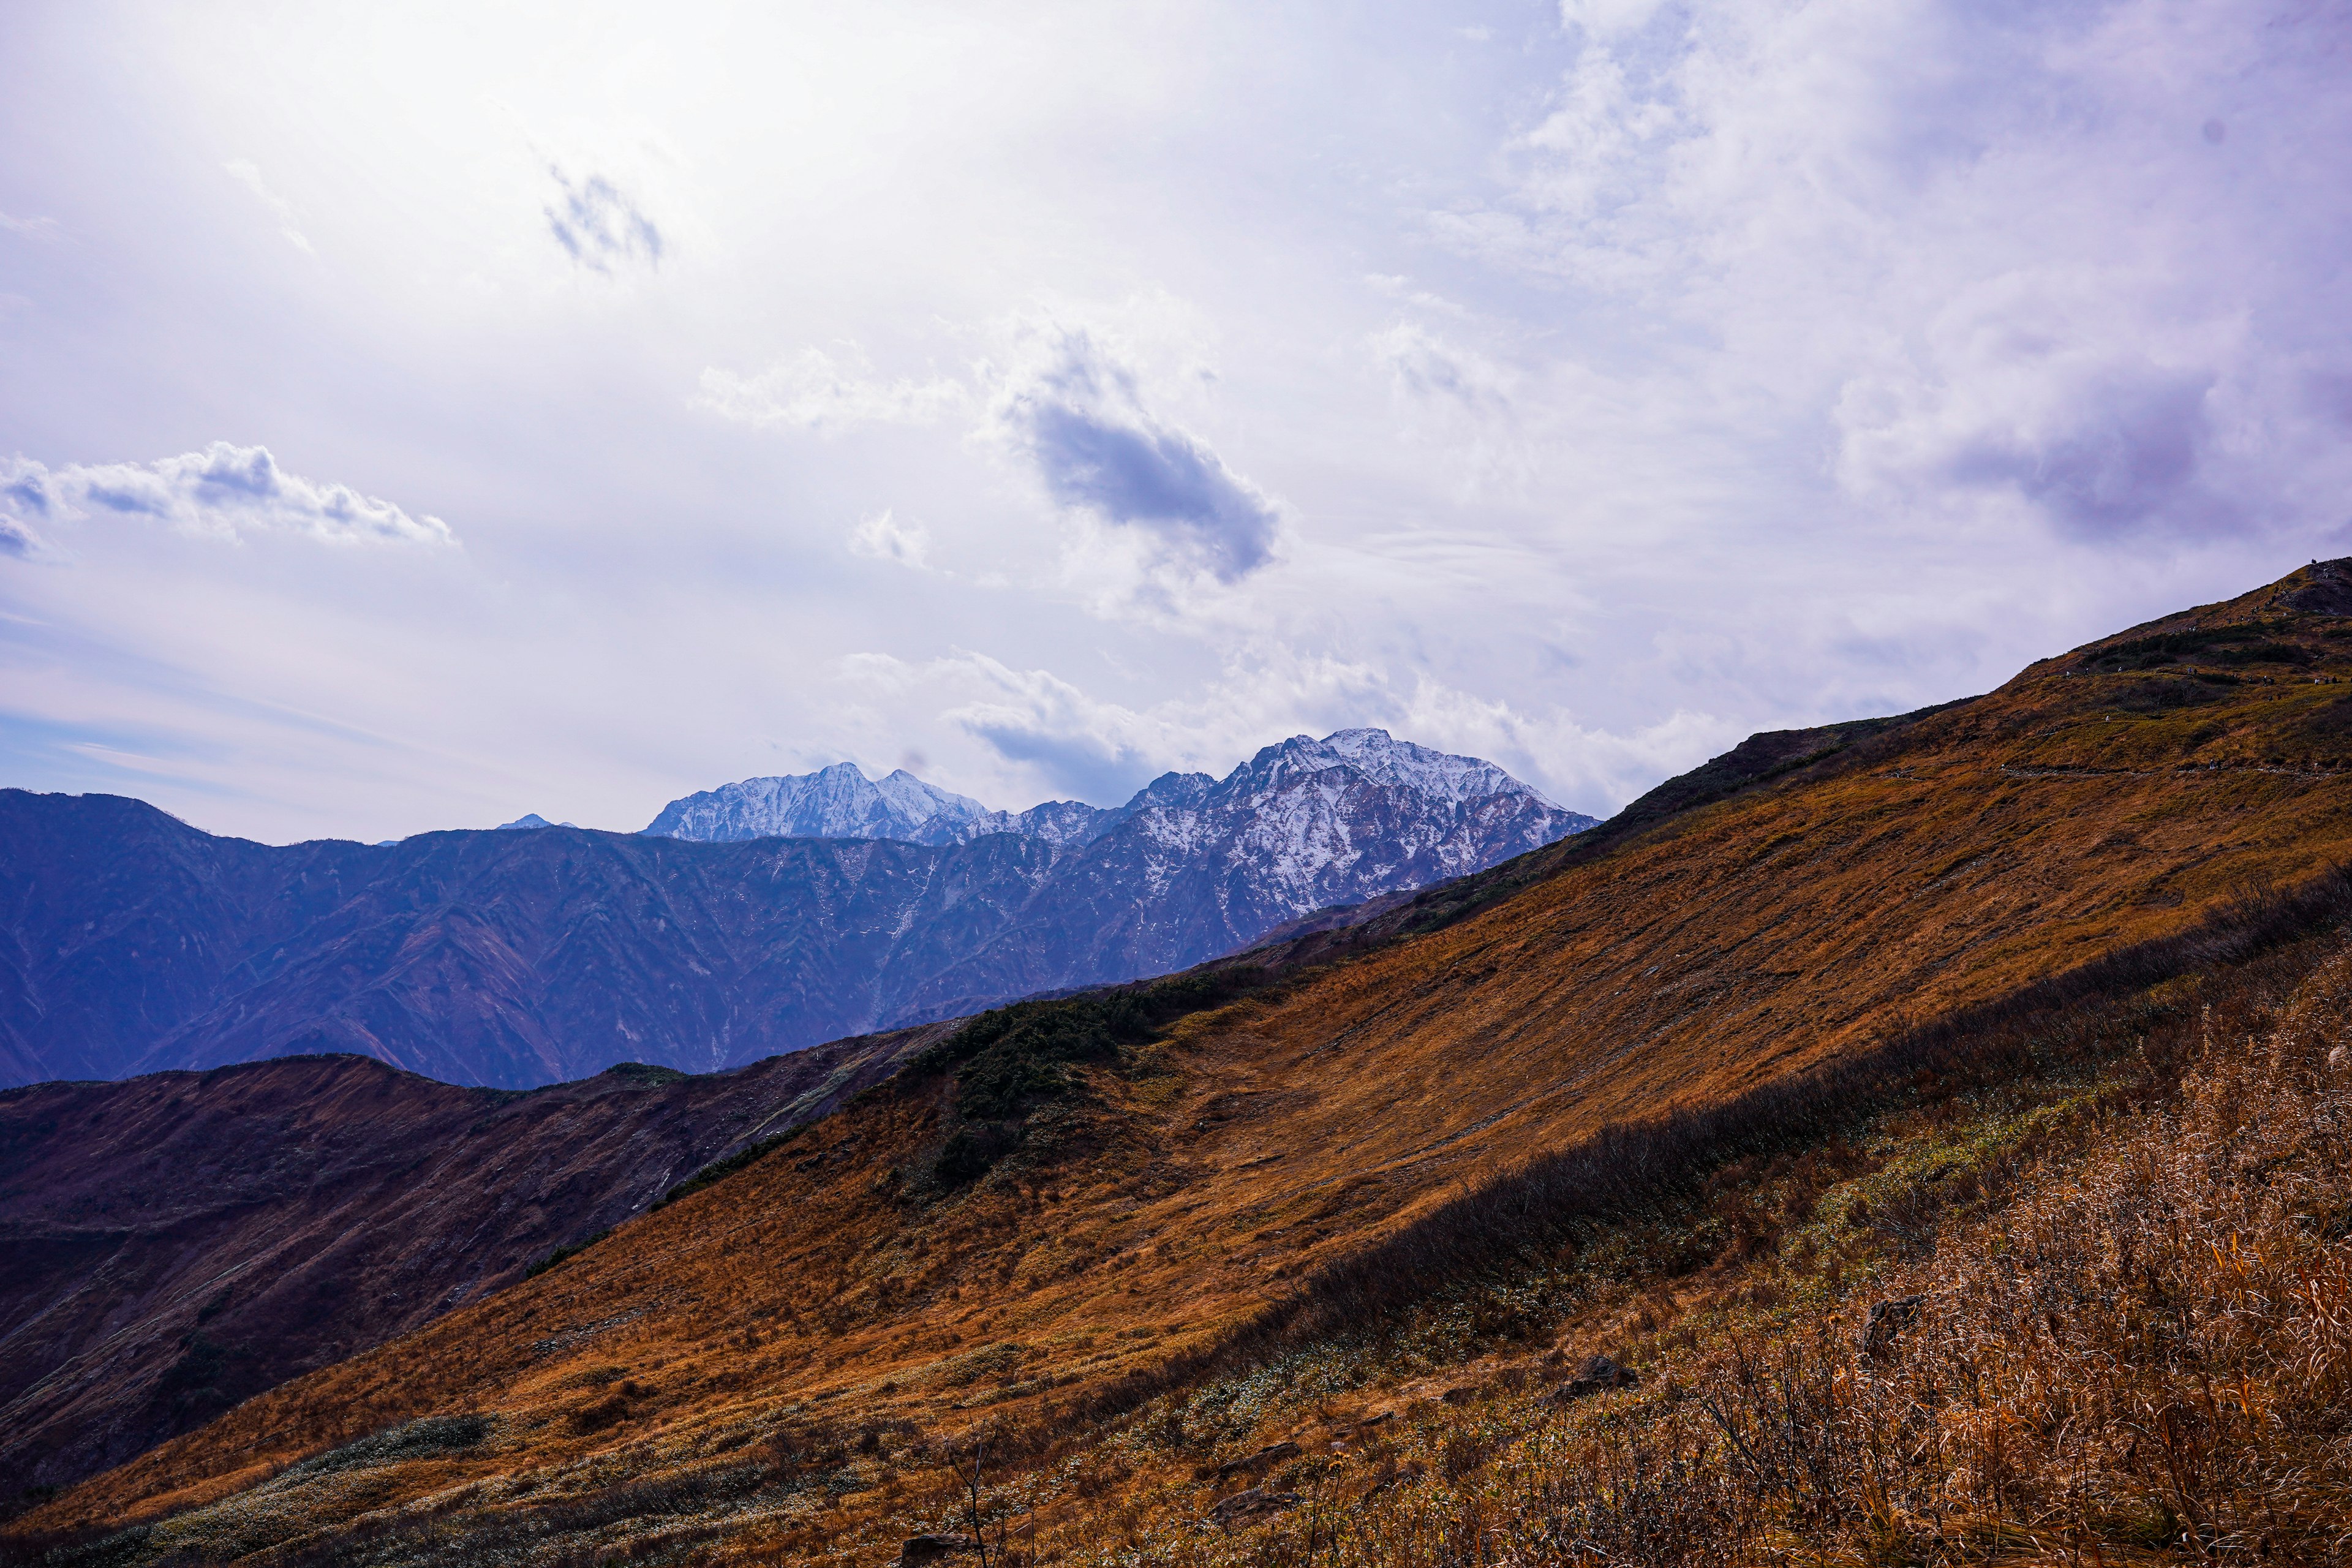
410 417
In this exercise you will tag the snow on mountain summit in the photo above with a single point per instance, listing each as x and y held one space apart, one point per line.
1385 760
838 802
1303 825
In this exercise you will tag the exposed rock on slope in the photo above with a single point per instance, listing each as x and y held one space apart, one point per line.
180 1242
133 943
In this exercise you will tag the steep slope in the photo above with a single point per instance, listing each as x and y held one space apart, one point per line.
182 1241
1064 1208
130 942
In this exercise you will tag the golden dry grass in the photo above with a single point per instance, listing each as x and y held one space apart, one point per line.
758 1329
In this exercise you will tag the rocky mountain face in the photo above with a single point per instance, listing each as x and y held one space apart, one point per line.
132 942
182 1241
840 802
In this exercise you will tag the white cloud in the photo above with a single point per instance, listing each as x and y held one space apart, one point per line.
224 492
1608 17
248 175
814 391
1462 400
17 539
31 227
883 538
1995 253
1050 735
1783 360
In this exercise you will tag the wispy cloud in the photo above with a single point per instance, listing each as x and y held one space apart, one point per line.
31 227
598 226
884 538
248 175
225 492
812 390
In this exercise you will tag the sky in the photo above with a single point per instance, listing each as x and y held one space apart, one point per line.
413 416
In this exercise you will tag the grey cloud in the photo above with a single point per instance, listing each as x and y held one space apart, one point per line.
2128 455
25 488
598 226
1083 765
1080 420
2330 391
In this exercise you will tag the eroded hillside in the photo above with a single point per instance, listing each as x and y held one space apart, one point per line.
1043 1228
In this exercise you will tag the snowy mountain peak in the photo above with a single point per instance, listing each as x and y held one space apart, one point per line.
1381 758
836 802
1354 813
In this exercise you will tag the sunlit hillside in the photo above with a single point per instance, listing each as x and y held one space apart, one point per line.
1113 1245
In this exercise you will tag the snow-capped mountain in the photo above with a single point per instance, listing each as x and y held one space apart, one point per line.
1307 823
844 905
838 802
1189 860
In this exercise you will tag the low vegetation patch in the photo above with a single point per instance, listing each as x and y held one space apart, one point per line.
564 1254
2219 645
1010 1061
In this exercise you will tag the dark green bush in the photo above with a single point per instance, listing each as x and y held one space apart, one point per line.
719 1170
2218 644
422 1439
1012 1059
564 1254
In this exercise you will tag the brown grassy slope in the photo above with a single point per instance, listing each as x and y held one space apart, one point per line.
1900 878
2121 1332
178 1242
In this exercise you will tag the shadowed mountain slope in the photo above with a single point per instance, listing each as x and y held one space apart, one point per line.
1066 1205
183 1240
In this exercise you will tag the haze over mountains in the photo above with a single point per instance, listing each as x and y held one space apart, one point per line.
517 958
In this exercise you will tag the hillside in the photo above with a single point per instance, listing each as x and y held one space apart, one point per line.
1102 1225
183 1240
135 943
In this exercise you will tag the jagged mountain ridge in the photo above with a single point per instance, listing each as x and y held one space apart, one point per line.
133 943
840 802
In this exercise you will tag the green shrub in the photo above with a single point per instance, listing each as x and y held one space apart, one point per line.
564 1254
1012 1059
719 1170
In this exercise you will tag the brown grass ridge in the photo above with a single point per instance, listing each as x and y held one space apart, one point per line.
1974 1015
